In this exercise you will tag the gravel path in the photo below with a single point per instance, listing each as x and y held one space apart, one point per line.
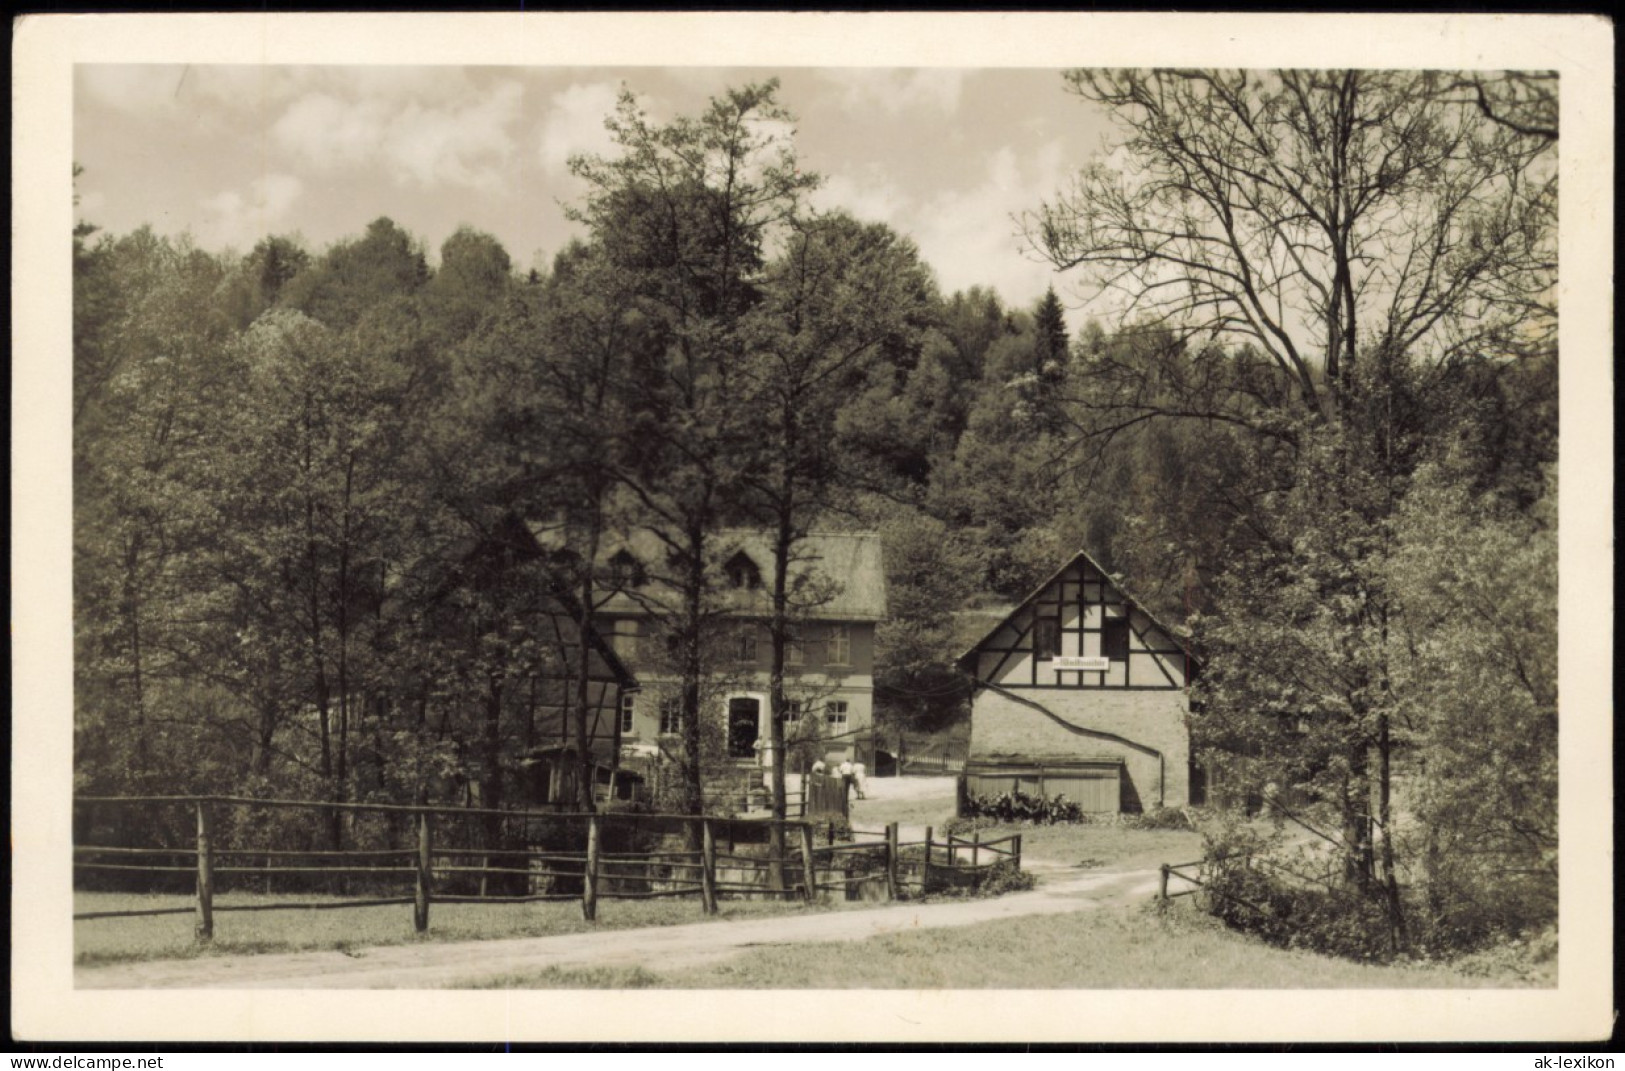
445 965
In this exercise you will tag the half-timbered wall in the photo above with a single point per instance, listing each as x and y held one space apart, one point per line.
1082 676
1079 616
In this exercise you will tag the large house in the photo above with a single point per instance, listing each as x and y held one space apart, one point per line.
1080 692
840 576
495 591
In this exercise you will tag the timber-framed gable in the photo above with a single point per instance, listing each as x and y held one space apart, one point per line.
1081 691
1080 630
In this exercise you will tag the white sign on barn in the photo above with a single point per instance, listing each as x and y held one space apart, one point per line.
1099 665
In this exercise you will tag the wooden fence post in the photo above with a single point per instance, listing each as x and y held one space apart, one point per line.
1018 851
708 867
589 882
420 907
925 875
975 848
205 875
808 870
891 860
1162 892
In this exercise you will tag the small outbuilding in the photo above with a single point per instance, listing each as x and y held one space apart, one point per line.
1081 692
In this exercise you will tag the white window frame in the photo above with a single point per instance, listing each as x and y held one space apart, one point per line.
795 652
629 714
837 712
747 641
792 711
671 716
839 645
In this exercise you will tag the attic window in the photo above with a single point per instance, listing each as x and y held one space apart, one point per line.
742 572
1114 639
1046 638
625 570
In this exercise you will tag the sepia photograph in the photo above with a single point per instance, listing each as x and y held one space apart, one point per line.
920 544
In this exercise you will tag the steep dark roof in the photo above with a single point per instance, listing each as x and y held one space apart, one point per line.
853 561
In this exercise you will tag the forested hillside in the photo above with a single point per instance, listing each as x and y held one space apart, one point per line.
1296 384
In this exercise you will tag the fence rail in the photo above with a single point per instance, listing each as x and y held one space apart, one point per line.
438 853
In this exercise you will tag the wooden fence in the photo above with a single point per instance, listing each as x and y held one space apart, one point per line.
1195 880
422 855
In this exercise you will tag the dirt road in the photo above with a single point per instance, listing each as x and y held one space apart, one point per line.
436 966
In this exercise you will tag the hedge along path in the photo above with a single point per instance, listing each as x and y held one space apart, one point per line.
662 948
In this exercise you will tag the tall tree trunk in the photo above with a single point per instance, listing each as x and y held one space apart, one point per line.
779 635
132 609
491 761
692 622
584 708
1390 879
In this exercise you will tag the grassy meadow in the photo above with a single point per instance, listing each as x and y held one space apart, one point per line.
114 940
1125 947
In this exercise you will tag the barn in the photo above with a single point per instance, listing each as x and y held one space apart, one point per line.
1080 692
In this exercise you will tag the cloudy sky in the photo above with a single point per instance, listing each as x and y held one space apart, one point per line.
231 153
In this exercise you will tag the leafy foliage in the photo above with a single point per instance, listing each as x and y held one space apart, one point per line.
1018 806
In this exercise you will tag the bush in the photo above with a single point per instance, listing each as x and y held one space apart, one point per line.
1018 806
964 827
1161 818
1339 920
1005 877
998 879
831 827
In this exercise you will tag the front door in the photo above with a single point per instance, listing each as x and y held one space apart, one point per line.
744 723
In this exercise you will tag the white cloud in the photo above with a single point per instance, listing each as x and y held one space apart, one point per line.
460 139
575 124
329 132
231 219
464 143
872 198
898 91
969 235
135 89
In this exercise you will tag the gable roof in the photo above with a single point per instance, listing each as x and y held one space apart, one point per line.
481 558
970 653
853 561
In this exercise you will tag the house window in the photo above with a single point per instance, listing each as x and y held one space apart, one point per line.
1046 638
624 640
671 716
745 644
625 571
835 713
742 572
840 645
628 705
1114 639
795 652
792 711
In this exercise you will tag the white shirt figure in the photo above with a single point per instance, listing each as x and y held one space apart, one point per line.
818 767
859 776
846 775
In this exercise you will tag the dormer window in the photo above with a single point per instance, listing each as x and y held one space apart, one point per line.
742 572
625 571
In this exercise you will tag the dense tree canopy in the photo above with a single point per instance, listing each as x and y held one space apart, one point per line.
1313 422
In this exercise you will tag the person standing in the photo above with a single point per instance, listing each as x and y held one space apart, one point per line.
846 778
